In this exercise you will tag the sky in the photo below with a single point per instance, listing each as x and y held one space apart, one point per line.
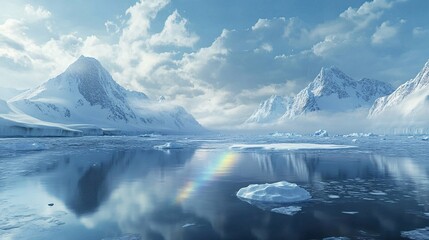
217 58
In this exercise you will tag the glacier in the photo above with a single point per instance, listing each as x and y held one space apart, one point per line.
85 100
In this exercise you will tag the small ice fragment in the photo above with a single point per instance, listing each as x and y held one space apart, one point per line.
369 199
425 138
188 225
354 140
349 212
426 213
417 234
321 133
378 193
279 192
333 196
290 210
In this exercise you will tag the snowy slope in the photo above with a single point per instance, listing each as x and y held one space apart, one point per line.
85 95
331 91
271 109
334 91
14 124
408 101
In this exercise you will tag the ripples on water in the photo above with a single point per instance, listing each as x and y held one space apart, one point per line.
124 188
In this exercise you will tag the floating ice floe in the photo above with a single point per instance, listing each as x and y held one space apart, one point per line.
349 212
287 146
279 192
378 193
188 225
289 210
333 196
321 133
418 234
425 138
360 135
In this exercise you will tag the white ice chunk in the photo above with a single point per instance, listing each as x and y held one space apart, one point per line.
321 133
378 193
279 192
290 210
333 196
188 225
418 234
287 146
425 138
349 212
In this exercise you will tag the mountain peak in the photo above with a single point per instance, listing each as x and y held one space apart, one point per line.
85 64
332 73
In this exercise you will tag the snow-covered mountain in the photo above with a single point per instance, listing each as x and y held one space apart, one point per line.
331 91
271 109
86 97
409 101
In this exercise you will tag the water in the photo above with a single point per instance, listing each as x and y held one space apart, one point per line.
124 188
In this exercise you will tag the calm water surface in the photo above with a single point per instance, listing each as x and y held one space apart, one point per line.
125 188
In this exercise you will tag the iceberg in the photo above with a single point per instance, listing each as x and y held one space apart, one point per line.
321 133
279 192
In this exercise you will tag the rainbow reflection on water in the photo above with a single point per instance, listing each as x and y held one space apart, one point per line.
217 168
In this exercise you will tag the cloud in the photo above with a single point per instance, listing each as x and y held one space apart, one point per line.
220 83
265 47
38 13
174 33
140 17
261 23
383 33
111 27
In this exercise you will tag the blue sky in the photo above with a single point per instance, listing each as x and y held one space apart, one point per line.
217 58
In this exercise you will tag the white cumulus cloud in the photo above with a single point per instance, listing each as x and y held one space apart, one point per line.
37 13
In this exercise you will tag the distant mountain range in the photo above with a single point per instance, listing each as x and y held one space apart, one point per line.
331 91
85 100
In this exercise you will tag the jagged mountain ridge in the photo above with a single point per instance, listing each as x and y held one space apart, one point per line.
409 100
271 109
87 94
331 91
